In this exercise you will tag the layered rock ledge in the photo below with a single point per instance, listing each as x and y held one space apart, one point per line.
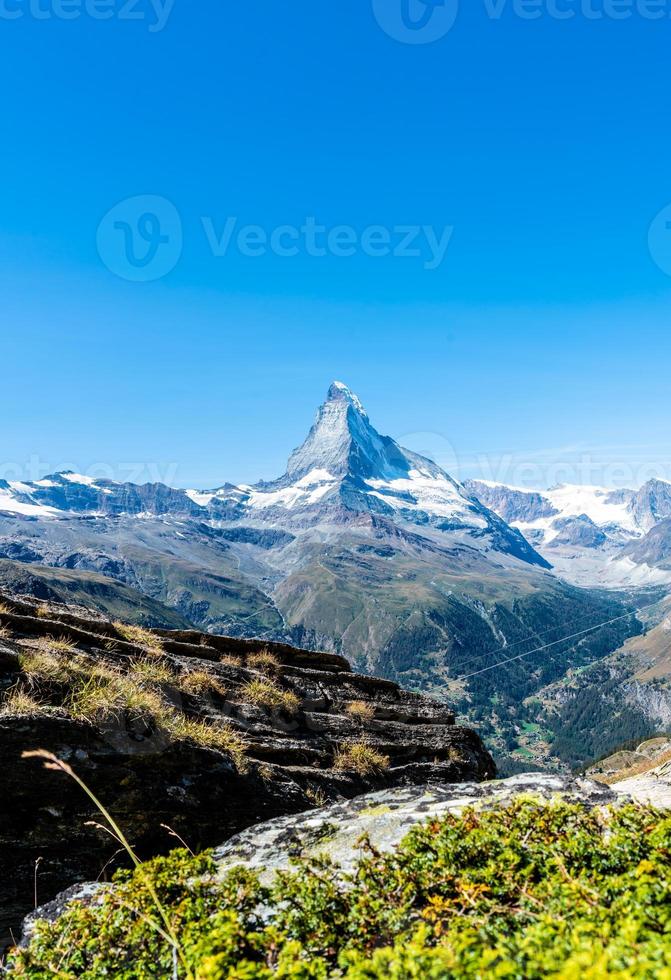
159 785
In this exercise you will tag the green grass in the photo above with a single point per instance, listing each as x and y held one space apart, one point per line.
531 891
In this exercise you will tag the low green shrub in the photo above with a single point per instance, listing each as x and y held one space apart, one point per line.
529 891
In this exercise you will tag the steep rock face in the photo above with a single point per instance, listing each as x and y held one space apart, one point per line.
652 504
511 504
580 531
150 778
654 548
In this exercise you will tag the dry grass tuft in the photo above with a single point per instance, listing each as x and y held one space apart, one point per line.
360 758
200 682
229 660
5 633
141 637
361 711
265 662
268 694
149 670
107 695
18 701
60 644
43 611
222 737
5 610
42 664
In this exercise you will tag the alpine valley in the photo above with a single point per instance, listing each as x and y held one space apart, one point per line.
365 549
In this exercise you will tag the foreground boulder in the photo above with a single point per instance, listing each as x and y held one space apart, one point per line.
190 736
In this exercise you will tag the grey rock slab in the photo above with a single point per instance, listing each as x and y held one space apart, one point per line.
384 818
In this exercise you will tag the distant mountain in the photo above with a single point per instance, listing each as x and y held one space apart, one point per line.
361 547
591 535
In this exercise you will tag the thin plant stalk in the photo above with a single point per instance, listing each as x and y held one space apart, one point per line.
52 761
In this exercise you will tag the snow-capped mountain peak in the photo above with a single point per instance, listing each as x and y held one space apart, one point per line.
338 391
345 467
344 443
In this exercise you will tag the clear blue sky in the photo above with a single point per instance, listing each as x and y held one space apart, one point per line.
545 144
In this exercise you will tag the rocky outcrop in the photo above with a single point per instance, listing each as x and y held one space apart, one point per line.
580 531
653 787
655 548
512 504
158 785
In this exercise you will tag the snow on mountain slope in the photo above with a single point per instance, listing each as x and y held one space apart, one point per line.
342 447
344 473
305 492
545 510
588 532
15 499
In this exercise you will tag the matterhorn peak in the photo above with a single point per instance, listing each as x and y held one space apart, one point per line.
342 442
339 392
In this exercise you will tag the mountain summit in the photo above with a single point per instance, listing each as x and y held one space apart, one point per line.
342 442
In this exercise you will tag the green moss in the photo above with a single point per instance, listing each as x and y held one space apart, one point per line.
529 891
375 811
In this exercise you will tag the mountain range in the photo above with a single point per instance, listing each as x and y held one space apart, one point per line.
369 550
592 535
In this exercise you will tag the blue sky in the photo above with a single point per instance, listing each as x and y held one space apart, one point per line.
544 145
